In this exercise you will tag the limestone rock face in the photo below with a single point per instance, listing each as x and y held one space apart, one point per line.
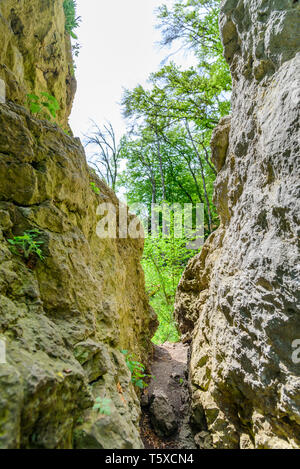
66 319
163 417
238 300
35 53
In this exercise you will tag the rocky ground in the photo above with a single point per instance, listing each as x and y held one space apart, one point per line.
165 403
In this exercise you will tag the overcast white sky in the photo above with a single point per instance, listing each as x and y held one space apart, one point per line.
118 51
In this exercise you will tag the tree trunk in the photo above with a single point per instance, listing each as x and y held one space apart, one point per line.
202 176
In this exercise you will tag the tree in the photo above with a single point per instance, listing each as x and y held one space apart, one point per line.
168 148
140 176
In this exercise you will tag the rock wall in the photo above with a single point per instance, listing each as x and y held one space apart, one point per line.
64 319
238 300
35 54
67 318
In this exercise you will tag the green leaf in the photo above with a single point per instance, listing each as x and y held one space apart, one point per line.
32 97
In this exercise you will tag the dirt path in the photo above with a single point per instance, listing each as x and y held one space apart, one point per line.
165 403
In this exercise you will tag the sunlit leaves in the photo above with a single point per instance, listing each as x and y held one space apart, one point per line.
168 148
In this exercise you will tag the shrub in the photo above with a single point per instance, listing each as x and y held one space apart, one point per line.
164 261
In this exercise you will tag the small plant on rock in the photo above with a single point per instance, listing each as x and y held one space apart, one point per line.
27 245
137 370
66 131
72 21
102 405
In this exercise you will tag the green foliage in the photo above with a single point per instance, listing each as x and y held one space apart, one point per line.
181 168
72 22
102 406
136 369
45 105
178 111
95 188
163 262
27 245
194 23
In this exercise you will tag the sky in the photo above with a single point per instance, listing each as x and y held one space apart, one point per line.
118 51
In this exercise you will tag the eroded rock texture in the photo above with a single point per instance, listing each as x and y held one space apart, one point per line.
239 299
65 319
35 53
